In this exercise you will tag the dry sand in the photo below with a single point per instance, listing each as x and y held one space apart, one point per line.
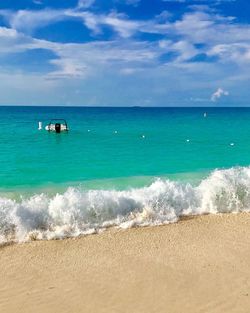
197 265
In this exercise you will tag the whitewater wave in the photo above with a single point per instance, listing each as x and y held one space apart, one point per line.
78 212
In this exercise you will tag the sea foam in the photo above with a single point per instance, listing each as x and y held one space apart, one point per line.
79 212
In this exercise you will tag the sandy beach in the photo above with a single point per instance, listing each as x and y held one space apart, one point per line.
197 265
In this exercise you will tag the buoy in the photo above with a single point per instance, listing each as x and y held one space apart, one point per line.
205 114
116 132
187 140
88 130
40 125
231 144
143 136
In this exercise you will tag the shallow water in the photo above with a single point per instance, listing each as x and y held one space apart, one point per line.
107 143
119 166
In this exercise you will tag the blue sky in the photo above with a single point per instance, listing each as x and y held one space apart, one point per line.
125 52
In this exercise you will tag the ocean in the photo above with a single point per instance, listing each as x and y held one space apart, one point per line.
120 167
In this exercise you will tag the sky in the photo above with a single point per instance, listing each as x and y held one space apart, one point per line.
125 52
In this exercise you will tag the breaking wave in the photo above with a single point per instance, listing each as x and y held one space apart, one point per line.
78 212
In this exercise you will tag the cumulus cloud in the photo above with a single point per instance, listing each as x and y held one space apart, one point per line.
218 94
186 46
194 33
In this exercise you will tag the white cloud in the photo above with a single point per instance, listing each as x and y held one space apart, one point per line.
216 35
200 1
218 94
238 53
27 20
198 26
8 32
119 22
123 26
68 68
128 57
39 2
83 4
130 71
185 50
130 2
76 60
89 19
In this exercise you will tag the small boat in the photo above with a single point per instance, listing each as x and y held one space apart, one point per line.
57 125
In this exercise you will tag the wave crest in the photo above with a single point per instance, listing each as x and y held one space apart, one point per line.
78 212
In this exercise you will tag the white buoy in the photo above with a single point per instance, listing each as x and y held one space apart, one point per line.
115 131
205 114
40 125
187 140
231 144
88 130
143 136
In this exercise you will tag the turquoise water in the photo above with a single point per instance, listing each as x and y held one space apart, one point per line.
106 145
121 167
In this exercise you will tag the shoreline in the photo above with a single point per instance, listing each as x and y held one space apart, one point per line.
200 264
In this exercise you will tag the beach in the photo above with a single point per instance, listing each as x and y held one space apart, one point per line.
200 264
125 156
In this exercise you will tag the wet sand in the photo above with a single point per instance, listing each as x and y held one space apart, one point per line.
197 265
